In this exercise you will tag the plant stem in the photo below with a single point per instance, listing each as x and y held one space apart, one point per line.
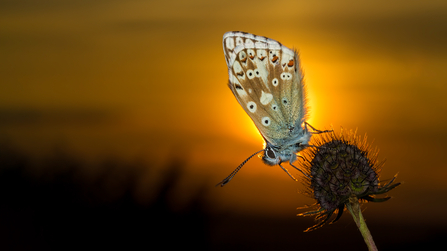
354 208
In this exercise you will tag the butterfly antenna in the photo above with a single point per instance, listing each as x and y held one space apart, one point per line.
227 179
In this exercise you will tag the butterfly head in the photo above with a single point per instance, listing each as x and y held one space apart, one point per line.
274 155
271 156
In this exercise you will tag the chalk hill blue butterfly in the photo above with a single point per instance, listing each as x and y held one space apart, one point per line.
267 81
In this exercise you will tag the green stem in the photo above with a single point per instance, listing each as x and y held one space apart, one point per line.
354 208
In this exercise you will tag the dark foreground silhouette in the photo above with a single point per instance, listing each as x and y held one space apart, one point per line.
57 207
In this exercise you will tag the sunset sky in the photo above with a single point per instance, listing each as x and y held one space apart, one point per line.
148 80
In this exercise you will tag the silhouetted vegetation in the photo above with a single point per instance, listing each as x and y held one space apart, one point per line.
53 205
62 209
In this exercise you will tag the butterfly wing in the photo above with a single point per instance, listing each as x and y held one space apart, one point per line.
266 79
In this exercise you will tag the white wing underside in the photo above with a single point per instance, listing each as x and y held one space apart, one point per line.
266 79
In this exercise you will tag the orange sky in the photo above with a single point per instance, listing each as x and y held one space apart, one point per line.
139 78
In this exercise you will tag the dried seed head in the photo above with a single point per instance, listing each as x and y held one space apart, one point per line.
339 170
340 167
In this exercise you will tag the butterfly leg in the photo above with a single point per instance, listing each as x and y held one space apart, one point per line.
316 131
290 175
293 158
305 174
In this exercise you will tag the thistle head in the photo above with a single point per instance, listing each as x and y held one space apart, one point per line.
341 167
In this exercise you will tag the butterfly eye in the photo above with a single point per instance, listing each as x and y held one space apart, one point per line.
251 106
266 121
275 82
270 153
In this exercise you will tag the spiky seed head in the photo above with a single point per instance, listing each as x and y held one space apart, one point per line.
341 166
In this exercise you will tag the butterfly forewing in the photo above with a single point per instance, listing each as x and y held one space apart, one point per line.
266 79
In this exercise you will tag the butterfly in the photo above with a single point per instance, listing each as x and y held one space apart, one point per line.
267 81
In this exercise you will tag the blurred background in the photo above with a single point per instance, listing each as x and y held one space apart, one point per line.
116 122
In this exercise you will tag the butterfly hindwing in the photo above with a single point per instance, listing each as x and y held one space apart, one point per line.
266 79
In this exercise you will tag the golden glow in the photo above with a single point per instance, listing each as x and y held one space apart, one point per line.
155 73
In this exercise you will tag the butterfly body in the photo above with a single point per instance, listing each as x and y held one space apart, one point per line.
267 81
